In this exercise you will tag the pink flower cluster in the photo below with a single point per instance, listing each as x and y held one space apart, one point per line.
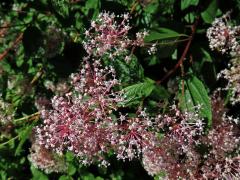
108 37
81 120
222 160
174 152
88 122
186 152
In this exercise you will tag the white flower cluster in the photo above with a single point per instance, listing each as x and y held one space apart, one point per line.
6 112
46 160
223 37
232 75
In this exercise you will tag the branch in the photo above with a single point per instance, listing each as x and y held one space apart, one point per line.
14 43
28 117
180 61
4 30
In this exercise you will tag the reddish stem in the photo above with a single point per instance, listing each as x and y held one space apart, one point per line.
15 42
180 61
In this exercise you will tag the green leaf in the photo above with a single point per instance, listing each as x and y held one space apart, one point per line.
3 175
139 90
23 135
142 89
129 72
38 175
195 94
161 34
210 13
91 8
71 169
186 101
88 176
159 92
207 56
69 156
186 3
65 177
152 7
61 7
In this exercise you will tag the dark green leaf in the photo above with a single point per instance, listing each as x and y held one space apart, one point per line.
161 34
71 170
139 90
210 13
186 3
61 7
196 94
23 136
38 175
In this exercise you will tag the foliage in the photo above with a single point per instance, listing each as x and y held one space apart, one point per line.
172 74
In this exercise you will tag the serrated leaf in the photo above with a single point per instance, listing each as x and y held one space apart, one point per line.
161 34
139 90
61 7
186 101
200 96
129 72
159 92
92 8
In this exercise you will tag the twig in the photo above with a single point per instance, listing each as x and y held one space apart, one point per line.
6 142
29 117
180 61
4 30
16 41
135 3
37 76
14 25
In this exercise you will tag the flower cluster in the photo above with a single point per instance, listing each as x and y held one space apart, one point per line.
108 37
86 122
180 154
232 75
223 37
6 112
153 49
46 160
174 153
81 120
85 119
222 160
135 136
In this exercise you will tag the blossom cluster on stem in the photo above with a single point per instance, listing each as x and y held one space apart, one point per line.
223 37
108 37
86 120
